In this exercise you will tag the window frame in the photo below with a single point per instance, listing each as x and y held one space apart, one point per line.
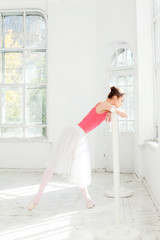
123 71
156 63
24 85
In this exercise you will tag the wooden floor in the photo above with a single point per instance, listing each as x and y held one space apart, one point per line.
62 213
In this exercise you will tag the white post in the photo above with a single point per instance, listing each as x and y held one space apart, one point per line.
117 232
115 151
118 191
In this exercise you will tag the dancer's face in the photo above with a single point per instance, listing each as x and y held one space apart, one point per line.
118 101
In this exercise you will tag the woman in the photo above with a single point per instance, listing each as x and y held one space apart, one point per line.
71 152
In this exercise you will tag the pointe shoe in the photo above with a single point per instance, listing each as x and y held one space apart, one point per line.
90 204
31 206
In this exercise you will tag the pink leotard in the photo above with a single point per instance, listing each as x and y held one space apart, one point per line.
92 120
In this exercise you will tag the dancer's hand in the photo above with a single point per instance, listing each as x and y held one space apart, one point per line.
108 116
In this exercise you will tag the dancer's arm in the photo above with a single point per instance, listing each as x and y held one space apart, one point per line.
107 107
121 113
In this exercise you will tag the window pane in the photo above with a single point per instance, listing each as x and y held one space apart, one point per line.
0 67
124 79
121 57
35 67
11 105
122 126
12 132
36 132
114 58
35 32
23 74
123 106
13 67
156 40
130 103
121 80
130 79
156 5
13 31
36 105
130 127
130 60
1 34
156 95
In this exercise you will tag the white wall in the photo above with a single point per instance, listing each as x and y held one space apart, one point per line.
147 162
18 4
145 102
152 170
80 34
23 154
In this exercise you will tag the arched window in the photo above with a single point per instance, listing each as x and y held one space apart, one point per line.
121 74
23 80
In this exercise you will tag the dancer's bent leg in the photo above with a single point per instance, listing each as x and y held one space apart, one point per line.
89 201
45 179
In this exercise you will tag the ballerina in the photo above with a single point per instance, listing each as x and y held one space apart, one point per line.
71 156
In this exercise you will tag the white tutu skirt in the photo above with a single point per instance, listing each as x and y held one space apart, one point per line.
71 157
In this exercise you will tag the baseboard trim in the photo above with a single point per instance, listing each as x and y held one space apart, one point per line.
153 198
30 170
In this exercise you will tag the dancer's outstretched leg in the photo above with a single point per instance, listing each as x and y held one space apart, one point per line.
89 201
45 179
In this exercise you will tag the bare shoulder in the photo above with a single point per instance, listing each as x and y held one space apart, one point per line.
101 107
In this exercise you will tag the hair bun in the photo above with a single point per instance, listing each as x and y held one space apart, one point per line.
115 92
113 88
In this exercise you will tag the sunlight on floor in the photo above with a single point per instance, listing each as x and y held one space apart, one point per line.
62 214
31 190
58 226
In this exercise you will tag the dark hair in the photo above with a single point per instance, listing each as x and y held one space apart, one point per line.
115 92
